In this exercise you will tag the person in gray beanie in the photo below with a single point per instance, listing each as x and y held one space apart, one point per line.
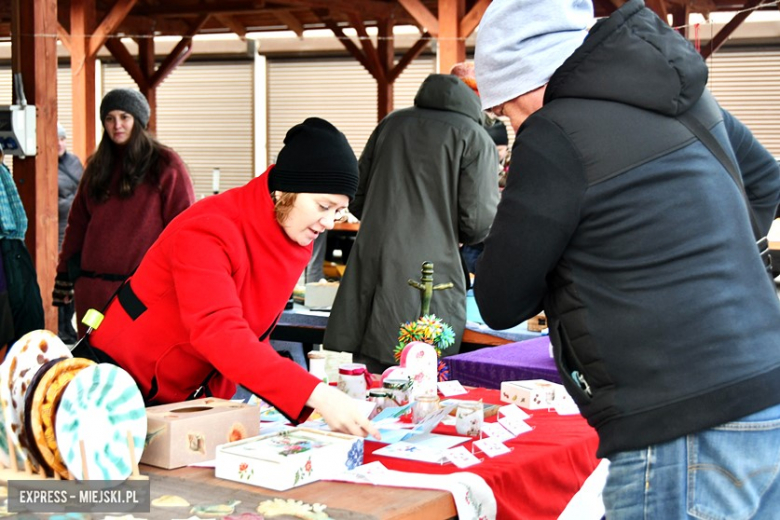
132 187
612 222
126 100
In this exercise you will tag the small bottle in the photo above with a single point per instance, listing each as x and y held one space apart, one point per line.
317 365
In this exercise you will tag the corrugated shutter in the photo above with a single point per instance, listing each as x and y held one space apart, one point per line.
337 89
747 84
205 113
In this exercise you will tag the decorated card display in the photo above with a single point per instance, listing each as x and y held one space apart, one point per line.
421 363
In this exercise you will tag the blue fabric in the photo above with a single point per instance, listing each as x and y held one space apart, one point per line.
13 219
730 472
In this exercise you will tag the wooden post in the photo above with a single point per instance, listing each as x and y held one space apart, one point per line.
385 51
452 48
82 68
34 55
146 62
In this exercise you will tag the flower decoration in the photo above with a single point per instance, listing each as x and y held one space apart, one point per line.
291 507
428 329
244 471
355 455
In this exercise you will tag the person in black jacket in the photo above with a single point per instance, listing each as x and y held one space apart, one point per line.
636 241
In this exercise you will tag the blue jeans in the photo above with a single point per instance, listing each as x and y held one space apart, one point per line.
730 472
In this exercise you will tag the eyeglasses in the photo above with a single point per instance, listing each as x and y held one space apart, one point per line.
338 214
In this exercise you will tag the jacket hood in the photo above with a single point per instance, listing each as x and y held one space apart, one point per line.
634 58
447 92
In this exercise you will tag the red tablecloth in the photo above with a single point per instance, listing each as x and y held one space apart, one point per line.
546 468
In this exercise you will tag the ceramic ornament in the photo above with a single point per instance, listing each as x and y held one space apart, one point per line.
45 401
101 407
421 364
23 361
215 510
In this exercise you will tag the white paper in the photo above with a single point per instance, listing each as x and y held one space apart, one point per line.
512 410
566 407
497 431
450 388
516 426
461 457
411 451
491 446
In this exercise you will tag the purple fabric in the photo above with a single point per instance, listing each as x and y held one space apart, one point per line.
489 366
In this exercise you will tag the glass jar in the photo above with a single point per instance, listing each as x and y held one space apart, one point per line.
424 406
354 380
397 390
379 397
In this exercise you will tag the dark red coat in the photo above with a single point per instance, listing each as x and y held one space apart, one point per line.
113 236
213 283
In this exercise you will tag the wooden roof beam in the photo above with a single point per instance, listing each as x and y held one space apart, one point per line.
473 17
423 16
410 55
109 24
727 30
368 47
659 8
232 24
126 60
344 39
64 36
178 55
288 18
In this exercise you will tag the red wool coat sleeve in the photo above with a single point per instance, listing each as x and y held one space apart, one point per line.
212 311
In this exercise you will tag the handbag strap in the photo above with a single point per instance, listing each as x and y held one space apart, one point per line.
698 129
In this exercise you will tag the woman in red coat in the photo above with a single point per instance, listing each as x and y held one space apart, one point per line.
132 188
196 316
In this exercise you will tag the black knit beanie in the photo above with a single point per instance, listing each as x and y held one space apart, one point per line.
126 100
498 133
316 158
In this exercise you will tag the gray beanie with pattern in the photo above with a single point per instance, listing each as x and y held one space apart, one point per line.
126 100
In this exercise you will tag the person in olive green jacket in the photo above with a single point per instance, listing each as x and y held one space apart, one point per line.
427 184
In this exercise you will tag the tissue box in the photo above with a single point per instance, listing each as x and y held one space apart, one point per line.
288 458
179 434
320 295
533 394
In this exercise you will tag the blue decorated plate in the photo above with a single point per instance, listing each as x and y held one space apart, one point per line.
99 407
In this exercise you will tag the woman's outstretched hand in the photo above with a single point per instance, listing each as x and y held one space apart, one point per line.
340 411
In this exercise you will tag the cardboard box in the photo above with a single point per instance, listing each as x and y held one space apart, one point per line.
533 394
288 458
179 434
320 295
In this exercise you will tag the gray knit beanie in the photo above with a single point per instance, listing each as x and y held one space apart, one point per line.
126 100
521 43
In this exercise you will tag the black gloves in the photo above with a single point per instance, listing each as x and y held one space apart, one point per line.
63 290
